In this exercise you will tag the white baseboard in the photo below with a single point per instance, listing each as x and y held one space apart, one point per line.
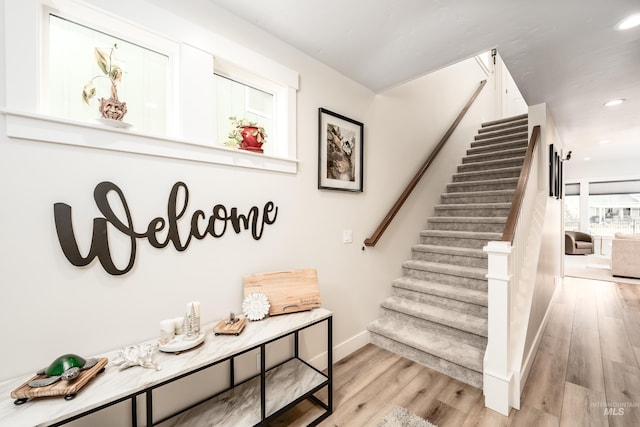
342 350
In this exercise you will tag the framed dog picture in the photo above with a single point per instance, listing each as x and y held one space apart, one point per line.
340 152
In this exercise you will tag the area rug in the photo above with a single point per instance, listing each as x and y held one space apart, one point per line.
594 268
402 417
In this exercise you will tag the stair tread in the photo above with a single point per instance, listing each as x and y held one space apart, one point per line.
507 125
468 234
491 146
489 171
453 319
502 132
478 219
500 140
509 180
473 205
505 120
451 250
512 150
494 161
462 194
454 270
436 344
473 296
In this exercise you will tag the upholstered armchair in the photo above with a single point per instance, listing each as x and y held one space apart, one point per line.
577 243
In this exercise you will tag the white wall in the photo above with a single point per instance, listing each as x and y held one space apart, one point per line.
49 307
549 270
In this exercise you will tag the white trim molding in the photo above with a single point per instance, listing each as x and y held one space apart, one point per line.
34 127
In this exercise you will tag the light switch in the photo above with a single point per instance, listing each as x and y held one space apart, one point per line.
347 236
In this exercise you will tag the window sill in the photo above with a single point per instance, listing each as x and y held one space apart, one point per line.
35 127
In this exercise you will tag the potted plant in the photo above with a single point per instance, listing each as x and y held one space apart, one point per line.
111 108
246 135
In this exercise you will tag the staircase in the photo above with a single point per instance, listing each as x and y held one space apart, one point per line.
437 314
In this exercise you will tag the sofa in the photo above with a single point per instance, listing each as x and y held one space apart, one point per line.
625 255
577 243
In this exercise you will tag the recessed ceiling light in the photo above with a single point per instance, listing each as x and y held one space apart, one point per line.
614 102
629 22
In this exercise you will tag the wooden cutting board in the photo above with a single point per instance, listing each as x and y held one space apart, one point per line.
59 388
287 291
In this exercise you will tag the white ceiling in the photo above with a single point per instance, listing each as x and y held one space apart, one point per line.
566 53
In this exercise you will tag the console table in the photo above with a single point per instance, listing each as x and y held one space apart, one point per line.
255 401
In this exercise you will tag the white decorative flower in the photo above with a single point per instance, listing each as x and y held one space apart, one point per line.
255 306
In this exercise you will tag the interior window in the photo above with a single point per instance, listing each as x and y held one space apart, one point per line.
72 65
235 99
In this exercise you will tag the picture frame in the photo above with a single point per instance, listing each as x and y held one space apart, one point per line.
560 183
340 152
553 171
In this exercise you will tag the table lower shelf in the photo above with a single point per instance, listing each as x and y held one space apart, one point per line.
240 406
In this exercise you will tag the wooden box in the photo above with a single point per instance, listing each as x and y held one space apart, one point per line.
287 291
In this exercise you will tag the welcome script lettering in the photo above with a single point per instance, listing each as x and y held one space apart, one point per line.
200 226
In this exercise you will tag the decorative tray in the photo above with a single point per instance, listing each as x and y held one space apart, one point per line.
178 343
224 328
68 389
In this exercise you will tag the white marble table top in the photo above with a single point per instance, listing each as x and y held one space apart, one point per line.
114 384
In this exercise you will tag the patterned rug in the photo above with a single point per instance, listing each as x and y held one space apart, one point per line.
402 417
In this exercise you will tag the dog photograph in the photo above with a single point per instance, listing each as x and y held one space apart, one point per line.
340 146
340 152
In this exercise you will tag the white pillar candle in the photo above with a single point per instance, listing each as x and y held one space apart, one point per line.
196 308
178 322
168 326
167 330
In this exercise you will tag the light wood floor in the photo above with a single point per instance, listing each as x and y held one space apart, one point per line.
587 364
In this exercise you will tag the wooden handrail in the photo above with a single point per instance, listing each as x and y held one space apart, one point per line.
371 241
514 213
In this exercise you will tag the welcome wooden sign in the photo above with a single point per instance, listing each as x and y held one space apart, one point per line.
216 224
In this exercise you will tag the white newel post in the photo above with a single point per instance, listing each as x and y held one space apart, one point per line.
498 375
